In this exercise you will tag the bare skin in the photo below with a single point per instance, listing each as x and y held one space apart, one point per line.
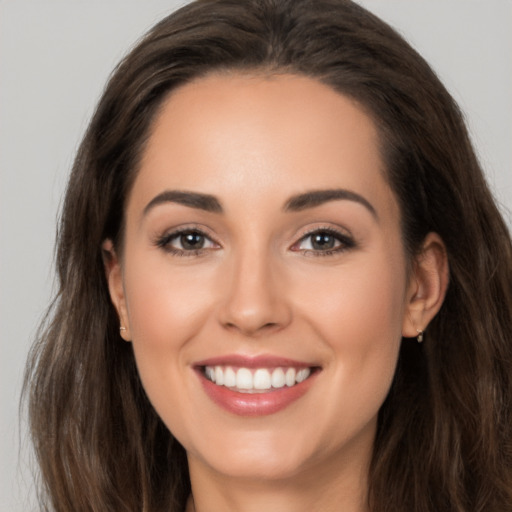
236 244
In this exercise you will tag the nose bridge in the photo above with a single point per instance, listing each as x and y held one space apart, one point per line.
255 298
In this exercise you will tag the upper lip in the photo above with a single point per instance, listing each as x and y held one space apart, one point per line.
260 361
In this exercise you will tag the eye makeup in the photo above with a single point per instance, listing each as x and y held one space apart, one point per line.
186 241
324 241
192 240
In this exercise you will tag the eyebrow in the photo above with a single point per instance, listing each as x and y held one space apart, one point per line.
197 200
318 197
296 203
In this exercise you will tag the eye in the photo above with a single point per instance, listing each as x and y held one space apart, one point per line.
324 242
188 242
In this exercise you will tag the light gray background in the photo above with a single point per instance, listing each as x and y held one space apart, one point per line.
55 56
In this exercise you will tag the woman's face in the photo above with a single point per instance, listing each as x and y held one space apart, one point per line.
263 247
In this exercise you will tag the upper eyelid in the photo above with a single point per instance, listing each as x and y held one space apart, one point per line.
342 232
329 229
187 228
164 237
343 235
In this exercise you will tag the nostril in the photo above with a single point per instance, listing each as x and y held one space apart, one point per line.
252 329
252 309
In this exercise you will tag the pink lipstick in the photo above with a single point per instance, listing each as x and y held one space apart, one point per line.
255 386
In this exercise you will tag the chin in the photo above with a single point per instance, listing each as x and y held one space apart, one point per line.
258 456
259 467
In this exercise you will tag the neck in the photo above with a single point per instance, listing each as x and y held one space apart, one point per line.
327 488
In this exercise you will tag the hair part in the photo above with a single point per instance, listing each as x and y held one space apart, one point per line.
444 438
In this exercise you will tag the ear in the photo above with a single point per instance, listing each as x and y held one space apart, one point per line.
114 276
427 286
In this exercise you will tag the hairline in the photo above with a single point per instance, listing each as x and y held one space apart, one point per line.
266 71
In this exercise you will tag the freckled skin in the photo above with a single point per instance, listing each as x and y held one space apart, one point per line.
256 287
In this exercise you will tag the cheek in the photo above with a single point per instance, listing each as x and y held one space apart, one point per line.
164 302
357 312
360 302
166 309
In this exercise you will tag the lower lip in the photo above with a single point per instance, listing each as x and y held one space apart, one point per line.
255 404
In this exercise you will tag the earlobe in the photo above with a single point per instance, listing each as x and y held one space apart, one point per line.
114 277
427 287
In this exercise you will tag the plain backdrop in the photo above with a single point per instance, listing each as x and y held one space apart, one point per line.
55 56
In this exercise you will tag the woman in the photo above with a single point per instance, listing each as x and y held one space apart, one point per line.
284 283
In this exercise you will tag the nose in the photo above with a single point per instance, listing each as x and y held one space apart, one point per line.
255 300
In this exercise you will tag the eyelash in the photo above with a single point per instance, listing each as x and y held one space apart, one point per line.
345 242
164 242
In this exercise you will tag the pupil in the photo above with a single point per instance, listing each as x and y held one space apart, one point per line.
192 241
323 241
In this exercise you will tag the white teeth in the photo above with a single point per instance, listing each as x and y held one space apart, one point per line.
244 379
219 376
229 378
278 379
260 379
290 377
210 373
303 374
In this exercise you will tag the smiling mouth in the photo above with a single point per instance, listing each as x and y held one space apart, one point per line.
255 386
256 380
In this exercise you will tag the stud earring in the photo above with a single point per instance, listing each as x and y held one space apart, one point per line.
121 329
419 338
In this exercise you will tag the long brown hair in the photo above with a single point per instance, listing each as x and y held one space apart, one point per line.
444 439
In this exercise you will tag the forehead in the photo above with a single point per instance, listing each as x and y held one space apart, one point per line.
267 135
